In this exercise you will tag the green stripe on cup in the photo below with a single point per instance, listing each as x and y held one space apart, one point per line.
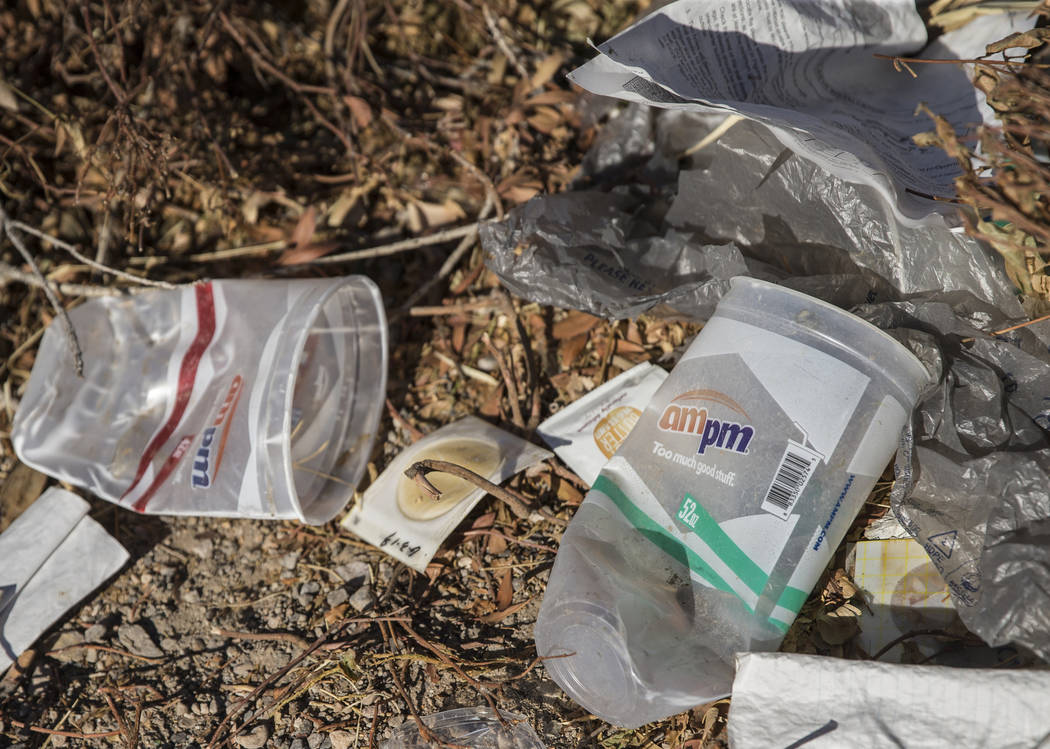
792 599
710 532
664 540
782 626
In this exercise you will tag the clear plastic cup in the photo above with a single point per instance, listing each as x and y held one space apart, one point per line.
246 398
706 531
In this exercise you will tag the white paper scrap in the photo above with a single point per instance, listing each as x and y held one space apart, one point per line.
807 70
789 700
904 593
51 557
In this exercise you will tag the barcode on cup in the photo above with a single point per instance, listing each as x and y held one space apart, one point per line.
794 472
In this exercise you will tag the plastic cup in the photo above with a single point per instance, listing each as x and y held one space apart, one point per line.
232 398
706 531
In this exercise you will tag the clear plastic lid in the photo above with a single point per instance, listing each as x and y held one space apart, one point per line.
475 727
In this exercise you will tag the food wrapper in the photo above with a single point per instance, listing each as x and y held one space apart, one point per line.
587 432
396 515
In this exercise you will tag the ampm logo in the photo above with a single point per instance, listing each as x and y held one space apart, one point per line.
209 455
683 418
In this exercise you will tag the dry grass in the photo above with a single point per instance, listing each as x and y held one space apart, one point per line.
1006 170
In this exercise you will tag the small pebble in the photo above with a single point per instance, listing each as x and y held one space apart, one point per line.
256 738
355 572
289 560
307 592
202 547
314 740
341 739
487 363
336 597
64 641
362 598
135 638
94 633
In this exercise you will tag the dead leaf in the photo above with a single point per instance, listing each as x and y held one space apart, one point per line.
7 98
423 215
629 347
568 350
304 230
459 337
434 569
569 494
505 591
498 616
20 489
519 187
546 69
497 544
555 97
545 119
359 110
306 253
574 324
1023 39
484 522
491 406
633 334
334 615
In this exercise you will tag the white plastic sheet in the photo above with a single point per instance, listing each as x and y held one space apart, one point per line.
51 557
791 700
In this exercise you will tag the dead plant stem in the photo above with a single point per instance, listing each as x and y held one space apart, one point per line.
418 471
65 734
71 334
403 245
508 380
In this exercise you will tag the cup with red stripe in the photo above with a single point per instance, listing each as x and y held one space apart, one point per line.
239 398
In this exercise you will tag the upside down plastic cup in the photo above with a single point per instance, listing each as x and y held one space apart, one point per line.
704 534
232 398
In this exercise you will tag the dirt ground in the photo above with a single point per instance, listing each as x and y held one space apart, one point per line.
181 141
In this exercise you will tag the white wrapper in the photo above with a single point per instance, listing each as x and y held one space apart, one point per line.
587 432
378 518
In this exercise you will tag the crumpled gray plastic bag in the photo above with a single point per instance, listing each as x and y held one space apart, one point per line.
607 250
603 271
648 225
973 472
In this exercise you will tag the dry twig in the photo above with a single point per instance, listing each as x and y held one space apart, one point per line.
418 472
71 334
